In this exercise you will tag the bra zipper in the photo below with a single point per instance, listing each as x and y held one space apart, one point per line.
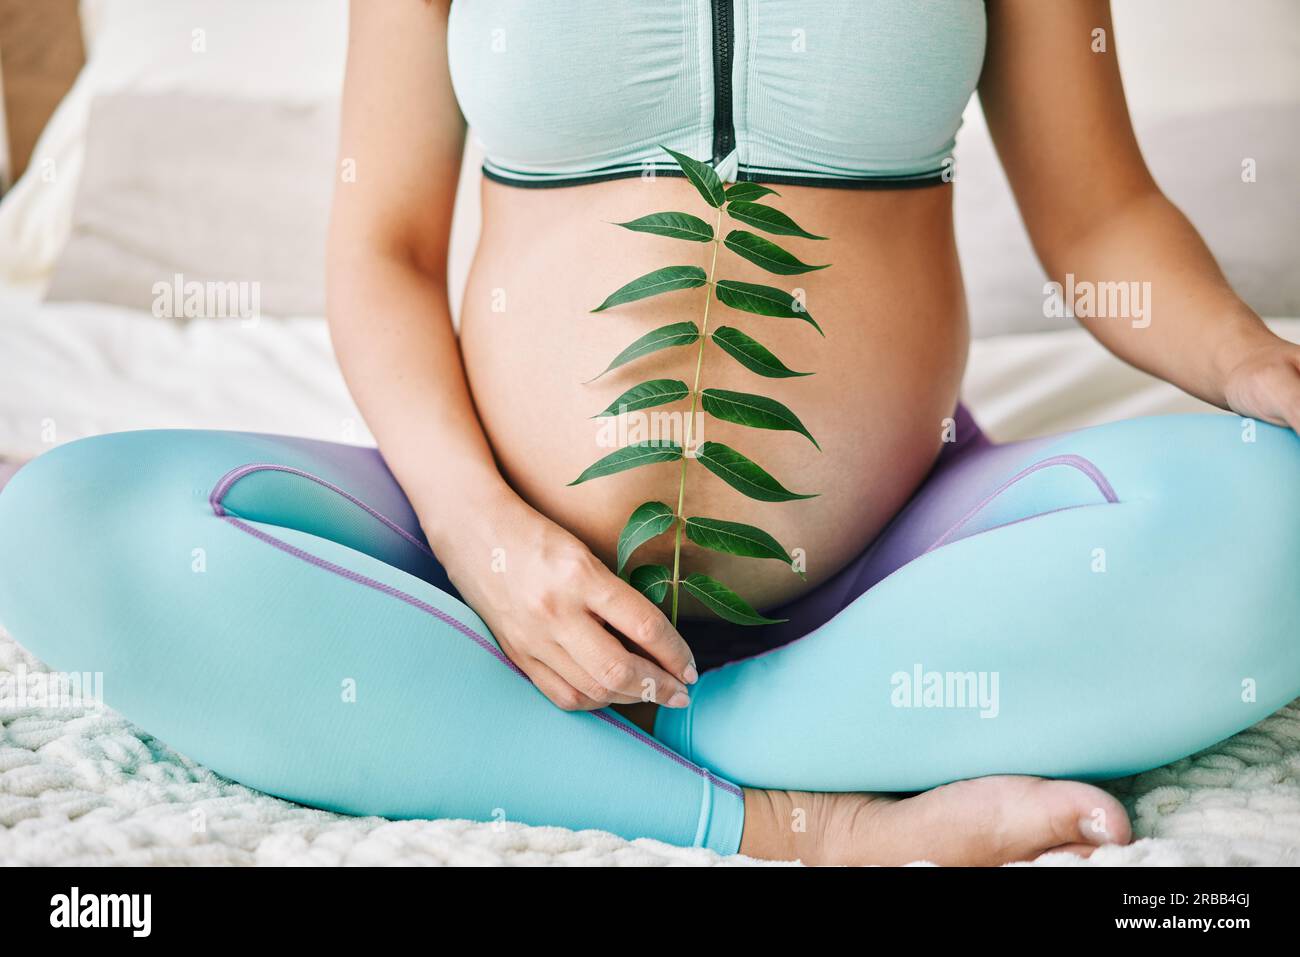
724 42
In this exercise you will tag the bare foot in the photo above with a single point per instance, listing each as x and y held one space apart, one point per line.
981 822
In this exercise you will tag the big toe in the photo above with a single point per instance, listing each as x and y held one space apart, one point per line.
1077 813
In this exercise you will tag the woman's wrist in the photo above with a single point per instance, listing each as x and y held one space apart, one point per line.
1243 335
471 514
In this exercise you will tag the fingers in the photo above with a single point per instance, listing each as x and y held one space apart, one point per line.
620 671
582 667
1269 389
1278 395
563 664
641 622
560 689
561 692
557 636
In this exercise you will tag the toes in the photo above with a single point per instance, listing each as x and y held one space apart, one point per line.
1084 814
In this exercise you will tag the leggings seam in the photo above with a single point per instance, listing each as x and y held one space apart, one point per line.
230 478
1087 467
706 812
223 486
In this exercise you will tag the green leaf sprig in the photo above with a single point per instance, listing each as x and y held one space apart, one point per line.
651 519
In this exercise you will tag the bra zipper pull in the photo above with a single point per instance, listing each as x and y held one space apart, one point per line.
728 167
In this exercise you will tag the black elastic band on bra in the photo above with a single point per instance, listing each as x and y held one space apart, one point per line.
790 179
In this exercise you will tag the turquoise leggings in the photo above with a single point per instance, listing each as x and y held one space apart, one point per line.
1085 605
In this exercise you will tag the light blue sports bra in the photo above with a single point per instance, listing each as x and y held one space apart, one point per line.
853 93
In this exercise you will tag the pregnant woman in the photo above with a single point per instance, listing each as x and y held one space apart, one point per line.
441 631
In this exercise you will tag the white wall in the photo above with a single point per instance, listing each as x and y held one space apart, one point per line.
1209 82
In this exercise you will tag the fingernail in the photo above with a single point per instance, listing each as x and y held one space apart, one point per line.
680 700
690 675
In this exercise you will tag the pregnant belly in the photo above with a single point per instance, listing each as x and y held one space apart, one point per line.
885 375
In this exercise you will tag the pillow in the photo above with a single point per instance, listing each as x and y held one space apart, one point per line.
288 51
181 190
1205 92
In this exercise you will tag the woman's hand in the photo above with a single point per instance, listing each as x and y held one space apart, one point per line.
1265 384
547 599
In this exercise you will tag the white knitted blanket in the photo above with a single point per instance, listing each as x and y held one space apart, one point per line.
88 787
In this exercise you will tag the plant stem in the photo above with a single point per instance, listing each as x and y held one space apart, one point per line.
690 419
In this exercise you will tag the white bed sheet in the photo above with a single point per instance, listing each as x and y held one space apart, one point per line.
69 370
1029 384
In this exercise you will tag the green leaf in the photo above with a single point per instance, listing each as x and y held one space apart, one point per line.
646 396
652 581
767 219
743 475
755 411
752 354
734 538
649 519
765 253
746 192
631 456
702 177
665 337
668 279
672 225
724 602
762 301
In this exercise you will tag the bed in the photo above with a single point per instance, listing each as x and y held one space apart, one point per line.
87 787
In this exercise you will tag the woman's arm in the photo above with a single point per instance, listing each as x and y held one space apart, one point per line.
1056 109
400 152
